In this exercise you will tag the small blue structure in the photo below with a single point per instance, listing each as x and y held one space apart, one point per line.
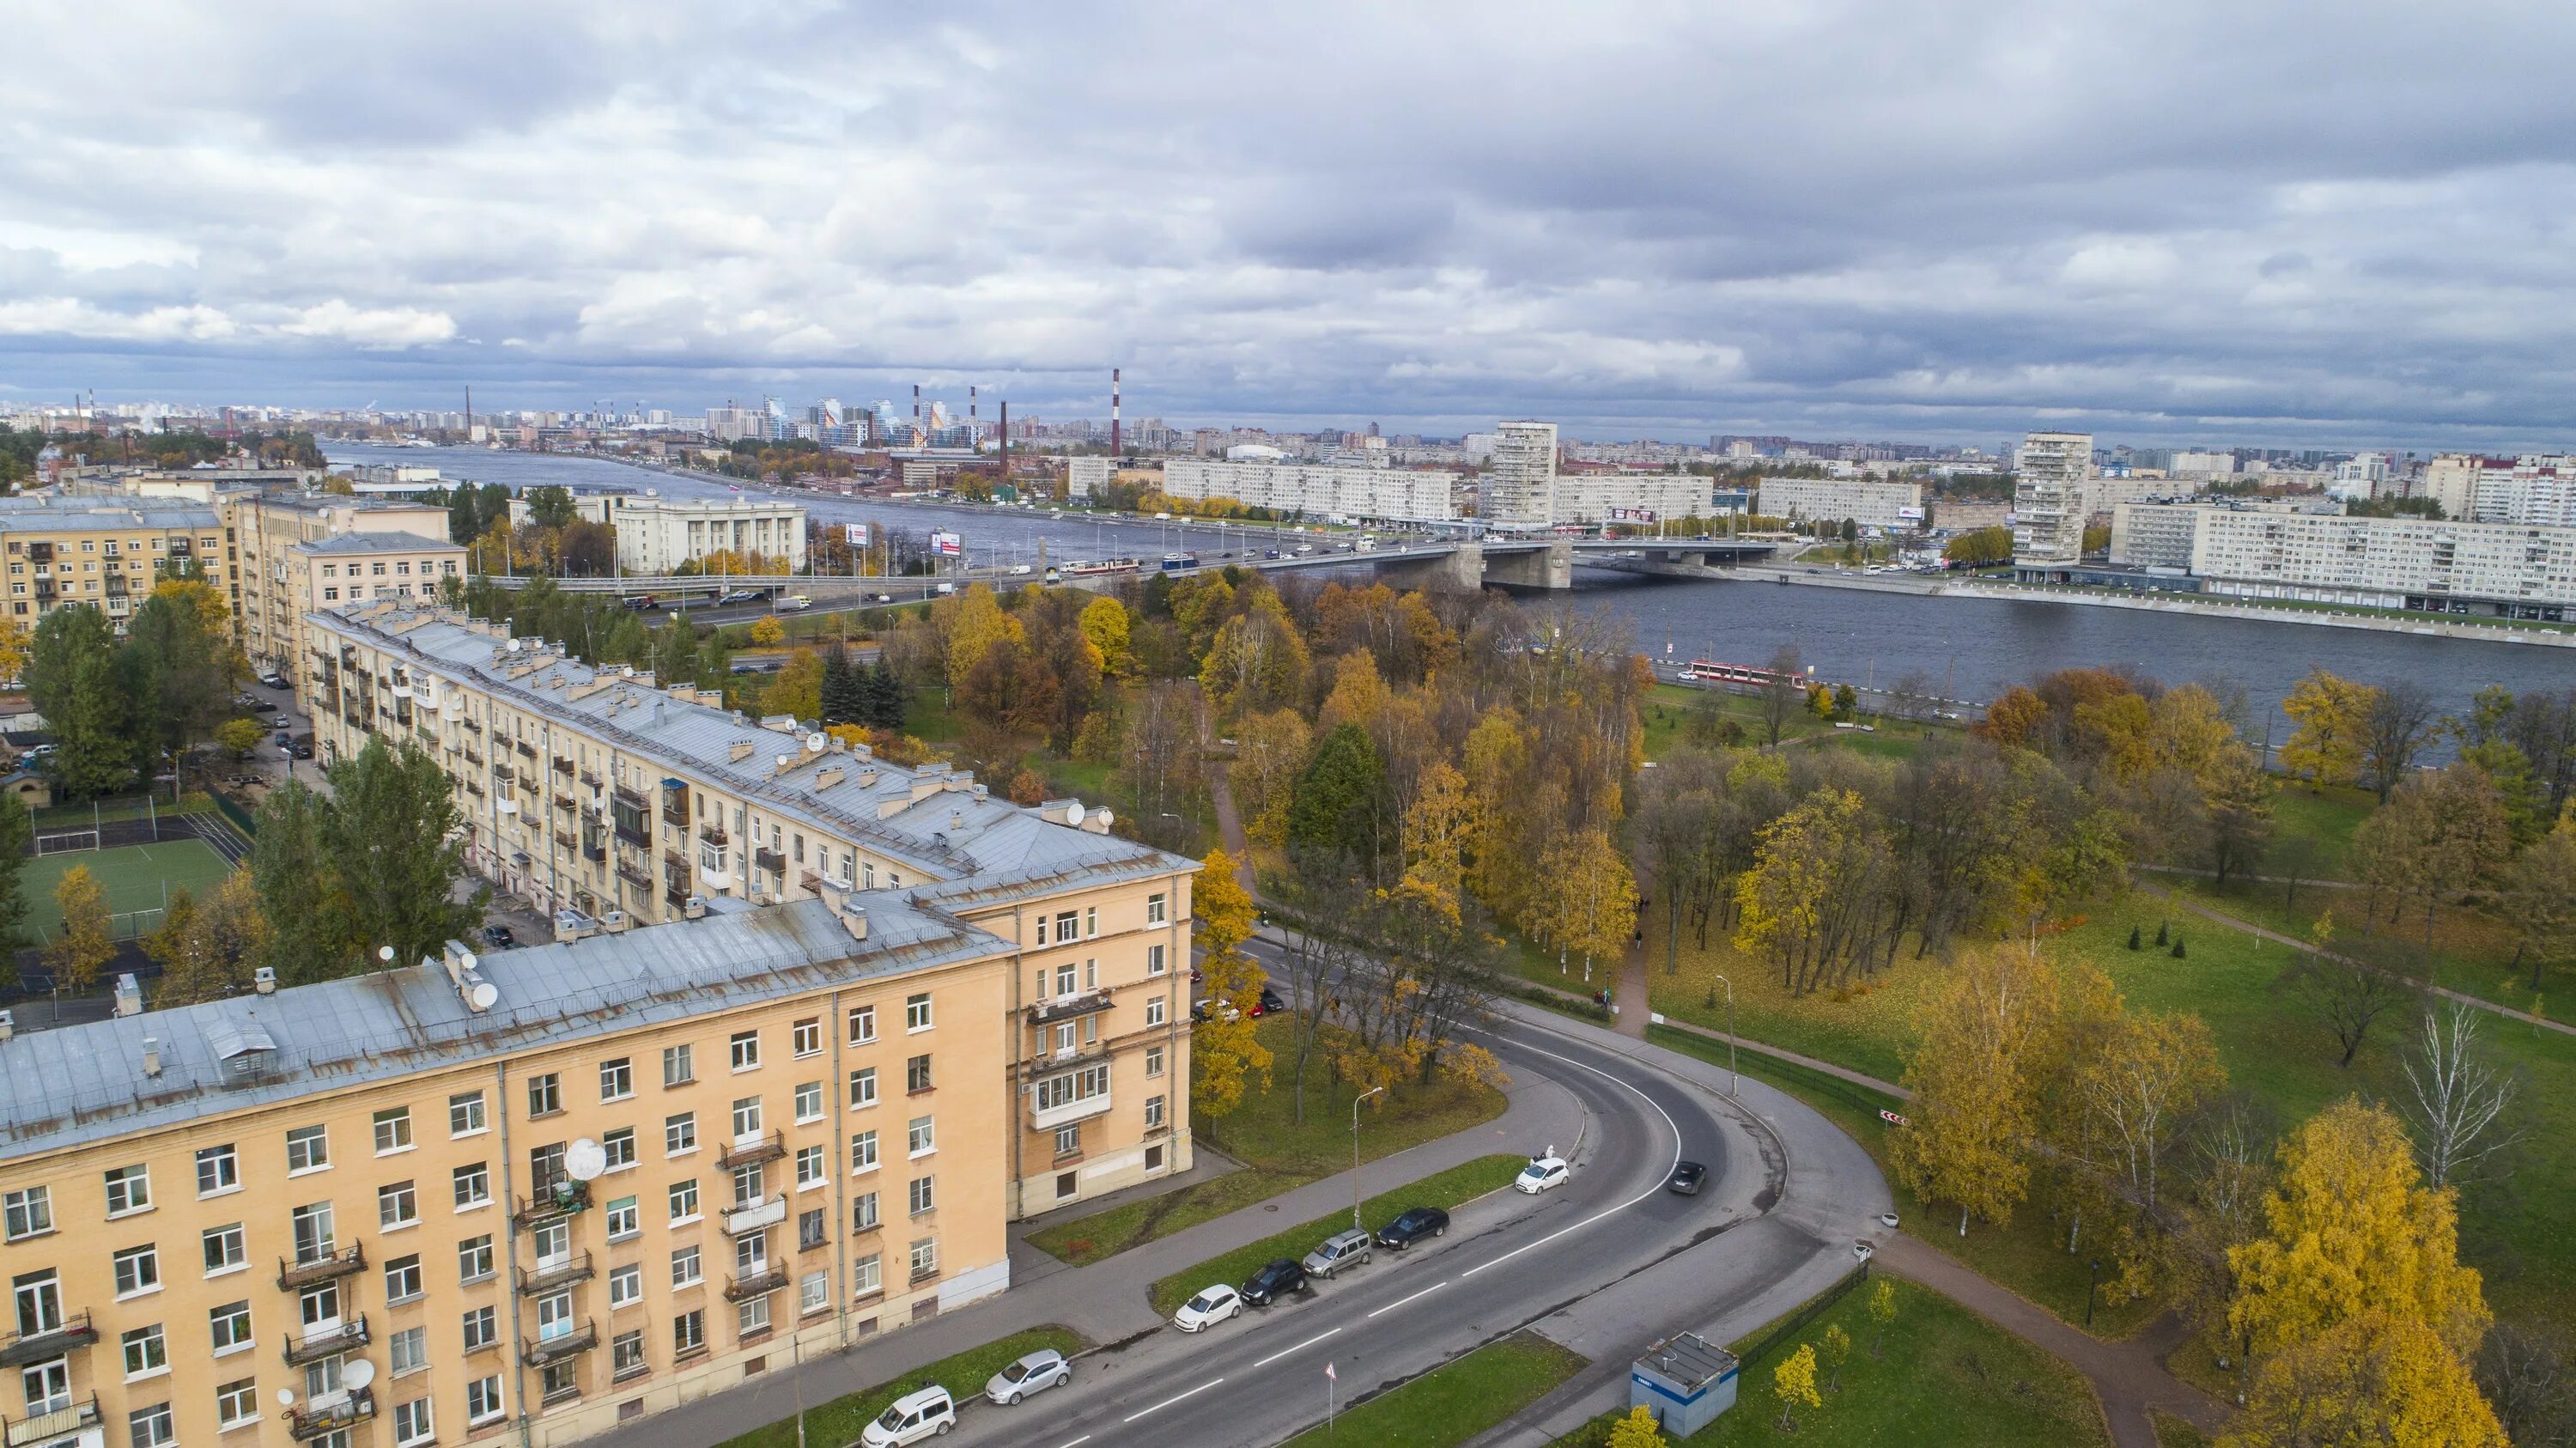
1684 1382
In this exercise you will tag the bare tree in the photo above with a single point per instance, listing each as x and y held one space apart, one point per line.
2457 1096
2396 727
1911 698
2523 1369
1784 693
1319 896
2347 996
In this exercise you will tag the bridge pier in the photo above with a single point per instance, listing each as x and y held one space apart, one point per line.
1550 567
1461 570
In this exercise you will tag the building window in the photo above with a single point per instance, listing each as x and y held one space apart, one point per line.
138 1269
625 1219
866 1275
808 1037
678 1068
863 1212
1064 927
465 1113
684 1201
397 1206
925 1257
1154 1011
916 1073
1068 1139
863 1025
224 1249
1156 911
393 1130
746 1117
1153 1112
685 1269
1042 931
626 1285
1090 921
315 1238
809 1167
924 1195
689 1332
863 1152
746 1050
237 1403
412 1423
308 1148
150 1427
402 1278
616 1079
483 1399
680 1133
218 1170
474 1259
751 1318
30 1212
619 1147
482 1329
129 1189
545 1095
473 1187
916 1012
809 1102
863 1087
1154 960
626 1354
409 1350
922 1137
230 1325
146 1353
1153 1062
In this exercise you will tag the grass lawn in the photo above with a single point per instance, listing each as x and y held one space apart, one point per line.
1454 1402
1278 1151
134 877
2471 950
1668 707
2510 1229
964 1375
1463 1182
2327 816
2173 1432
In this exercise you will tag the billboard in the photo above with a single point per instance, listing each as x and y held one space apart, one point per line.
857 533
947 545
1911 515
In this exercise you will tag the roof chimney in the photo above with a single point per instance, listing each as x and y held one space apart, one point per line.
151 1056
264 980
129 995
8 1025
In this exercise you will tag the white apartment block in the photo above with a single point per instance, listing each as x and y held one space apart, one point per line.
1314 490
1519 493
1084 478
2213 463
1870 503
1594 498
657 535
2050 502
2533 490
2501 569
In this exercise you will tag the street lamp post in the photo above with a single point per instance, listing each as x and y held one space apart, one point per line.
1355 1151
1738 1088
2091 1279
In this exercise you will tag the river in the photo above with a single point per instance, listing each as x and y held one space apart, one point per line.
1970 648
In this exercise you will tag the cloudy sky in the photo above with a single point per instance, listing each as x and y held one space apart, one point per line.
2221 220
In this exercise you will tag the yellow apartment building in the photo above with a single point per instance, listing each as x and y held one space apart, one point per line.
296 557
527 1196
609 803
105 553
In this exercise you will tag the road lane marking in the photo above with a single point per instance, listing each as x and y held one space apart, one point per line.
1075 1442
1674 1126
1283 1352
1167 1402
1399 1302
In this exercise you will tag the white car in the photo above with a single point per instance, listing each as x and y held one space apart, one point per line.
1542 1172
913 1418
1212 1306
1035 1373
1020 570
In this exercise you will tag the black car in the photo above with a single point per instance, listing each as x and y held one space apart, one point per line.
1269 1002
1410 1226
499 937
1274 1281
1687 1178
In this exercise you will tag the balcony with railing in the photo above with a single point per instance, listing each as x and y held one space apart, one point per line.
74 1423
321 1266
756 1284
563 766
539 1351
560 1198
1065 1113
714 834
752 1150
756 1216
69 1330
635 875
562 1272
1066 1007
330 1414
315 1344
526 750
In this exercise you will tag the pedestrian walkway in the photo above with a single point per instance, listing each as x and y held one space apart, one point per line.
2129 1376
1630 995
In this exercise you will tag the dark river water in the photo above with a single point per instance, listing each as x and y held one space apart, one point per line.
1976 647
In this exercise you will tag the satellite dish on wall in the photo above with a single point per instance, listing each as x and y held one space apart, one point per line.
286 1397
1104 819
358 1374
1073 814
585 1160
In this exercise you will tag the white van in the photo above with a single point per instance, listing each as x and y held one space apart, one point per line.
791 603
914 1418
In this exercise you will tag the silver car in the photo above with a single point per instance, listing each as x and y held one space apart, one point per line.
1035 1373
1340 1250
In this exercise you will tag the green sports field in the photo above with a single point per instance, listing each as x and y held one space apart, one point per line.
134 876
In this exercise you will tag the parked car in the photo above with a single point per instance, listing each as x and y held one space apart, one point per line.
272 678
1542 1172
1269 1002
1273 1282
1211 1306
1340 1250
1687 1178
1039 1371
1412 1225
499 937
300 749
913 1418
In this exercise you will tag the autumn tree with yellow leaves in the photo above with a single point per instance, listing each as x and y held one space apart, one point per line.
1226 1057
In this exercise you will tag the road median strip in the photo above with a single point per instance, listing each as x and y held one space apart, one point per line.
1456 1401
962 1374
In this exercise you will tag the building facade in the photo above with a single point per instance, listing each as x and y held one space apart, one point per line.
2492 569
536 1194
658 535
1518 492
1589 499
280 586
1312 490
1870 502
609 804
2049 499
87 550
2536 491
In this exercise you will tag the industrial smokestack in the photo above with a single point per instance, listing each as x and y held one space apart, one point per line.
1113 412
1006 439
972 412
916 402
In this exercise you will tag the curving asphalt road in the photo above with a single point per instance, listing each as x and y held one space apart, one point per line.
1603 1264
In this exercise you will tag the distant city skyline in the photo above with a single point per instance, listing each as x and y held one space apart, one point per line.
2201 222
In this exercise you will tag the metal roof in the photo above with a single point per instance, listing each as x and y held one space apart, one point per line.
86 1083
375 543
